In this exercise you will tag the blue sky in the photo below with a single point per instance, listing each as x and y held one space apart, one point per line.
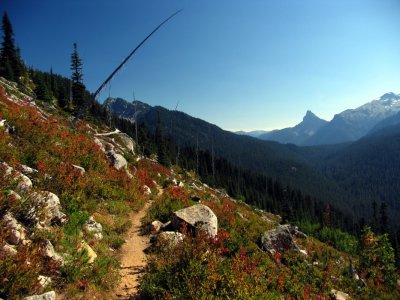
238 64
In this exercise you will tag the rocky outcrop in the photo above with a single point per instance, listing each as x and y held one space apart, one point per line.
93 228
46 296
279 240
46 209
197 217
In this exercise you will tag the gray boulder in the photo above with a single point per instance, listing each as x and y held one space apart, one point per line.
46 296
127 141
119 162
197 217
279 240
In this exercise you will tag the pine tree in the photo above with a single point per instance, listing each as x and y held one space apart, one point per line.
78 88
160 144
11 66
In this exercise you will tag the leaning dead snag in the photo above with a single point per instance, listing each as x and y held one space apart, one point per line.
81 112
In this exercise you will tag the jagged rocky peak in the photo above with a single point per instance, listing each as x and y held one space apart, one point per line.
309 115
390 98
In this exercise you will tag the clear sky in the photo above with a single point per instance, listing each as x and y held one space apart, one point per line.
255 64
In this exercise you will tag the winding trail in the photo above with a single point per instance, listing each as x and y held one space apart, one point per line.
133 258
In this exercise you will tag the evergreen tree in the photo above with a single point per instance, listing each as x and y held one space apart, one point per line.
160 144
11 66
78 88
384 218
377 259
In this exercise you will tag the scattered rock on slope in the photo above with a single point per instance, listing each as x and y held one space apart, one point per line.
46 296
46 208
170 238
279 240
119 162
197 217
94 228
127 141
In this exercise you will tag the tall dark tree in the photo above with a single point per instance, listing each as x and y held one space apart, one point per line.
78 88
160 143
384 218
11 66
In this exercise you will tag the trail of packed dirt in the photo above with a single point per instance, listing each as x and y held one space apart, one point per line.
133 258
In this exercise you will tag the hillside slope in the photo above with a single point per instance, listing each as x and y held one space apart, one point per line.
270 158
65 198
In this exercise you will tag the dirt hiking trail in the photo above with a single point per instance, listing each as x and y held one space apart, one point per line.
133 258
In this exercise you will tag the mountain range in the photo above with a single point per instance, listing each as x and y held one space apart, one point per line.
347 126
352 175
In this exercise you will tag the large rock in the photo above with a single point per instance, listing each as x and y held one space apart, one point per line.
46 296
279 240
197 217
119 162
93 228
46 208
16 233
127 141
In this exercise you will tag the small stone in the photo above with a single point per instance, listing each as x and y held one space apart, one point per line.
340 295
79 169
156 226
44 281
91 254
7 250
46 296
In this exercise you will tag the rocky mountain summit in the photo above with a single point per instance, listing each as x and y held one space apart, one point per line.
298 134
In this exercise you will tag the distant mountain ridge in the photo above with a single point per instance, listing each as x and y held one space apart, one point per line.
347 126
298 134
352 124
